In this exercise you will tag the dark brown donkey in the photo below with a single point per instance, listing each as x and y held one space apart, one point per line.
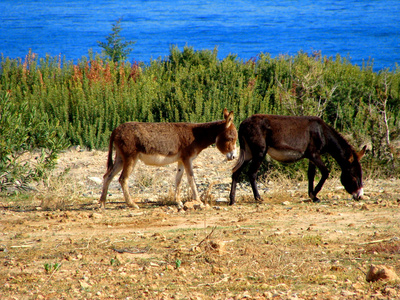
164 143
288 139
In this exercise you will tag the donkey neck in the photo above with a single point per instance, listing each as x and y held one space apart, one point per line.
339 149
206 133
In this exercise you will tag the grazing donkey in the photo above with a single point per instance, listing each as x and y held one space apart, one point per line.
164 143
288 139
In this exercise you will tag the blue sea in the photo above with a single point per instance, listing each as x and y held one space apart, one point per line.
360 30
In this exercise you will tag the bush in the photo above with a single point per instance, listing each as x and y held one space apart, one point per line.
116 49
92 97
23 130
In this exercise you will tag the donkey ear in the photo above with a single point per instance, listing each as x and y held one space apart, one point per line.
361 153
358 155
226 114
229 120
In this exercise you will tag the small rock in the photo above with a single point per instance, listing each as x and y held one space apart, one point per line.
217 246
391 292
169 267
216 270
330 277
189 205
379 272
96 216
96 180
221 200
195 249
347 293
75 148
193 205
199 206
365 207
268 295
358 285
84 284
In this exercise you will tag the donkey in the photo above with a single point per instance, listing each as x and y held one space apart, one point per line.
160 144
289 139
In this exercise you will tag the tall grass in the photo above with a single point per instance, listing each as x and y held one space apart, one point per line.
91 97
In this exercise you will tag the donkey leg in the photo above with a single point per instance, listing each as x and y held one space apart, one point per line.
108 176
253 170
178 180
311 176
129 164
235 178
316 162
190 178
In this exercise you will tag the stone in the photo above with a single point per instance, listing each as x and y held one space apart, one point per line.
222 200
96 216
330 277
381 272
193 205
391 292
189 205
217 246
365 207
96 180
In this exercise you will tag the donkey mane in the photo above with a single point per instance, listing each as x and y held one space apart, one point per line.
343 150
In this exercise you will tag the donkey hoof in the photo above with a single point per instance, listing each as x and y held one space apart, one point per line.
316 200
133 205
258 200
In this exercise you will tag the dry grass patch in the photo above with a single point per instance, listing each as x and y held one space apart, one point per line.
57 244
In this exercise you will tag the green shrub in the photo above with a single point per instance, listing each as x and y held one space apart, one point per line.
116 49
92 97
23 129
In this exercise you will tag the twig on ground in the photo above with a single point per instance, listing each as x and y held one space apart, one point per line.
132 251
51 275
207 237
381 241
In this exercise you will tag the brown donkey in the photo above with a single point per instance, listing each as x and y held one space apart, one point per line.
288 139
160 144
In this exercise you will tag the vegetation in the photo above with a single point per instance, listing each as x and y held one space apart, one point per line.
116 49
23 129
81 103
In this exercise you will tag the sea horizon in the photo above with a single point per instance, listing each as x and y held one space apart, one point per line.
364 32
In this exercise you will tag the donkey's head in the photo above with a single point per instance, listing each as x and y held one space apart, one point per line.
351 177
226 140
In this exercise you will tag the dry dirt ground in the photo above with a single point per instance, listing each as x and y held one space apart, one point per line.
56 244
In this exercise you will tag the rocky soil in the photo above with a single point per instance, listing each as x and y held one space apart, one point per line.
56 244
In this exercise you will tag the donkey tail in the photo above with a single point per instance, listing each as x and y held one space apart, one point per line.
110 151
242 145
240 160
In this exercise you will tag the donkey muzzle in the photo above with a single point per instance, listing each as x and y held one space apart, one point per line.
231 155
358 194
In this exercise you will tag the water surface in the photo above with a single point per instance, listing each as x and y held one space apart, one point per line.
359 30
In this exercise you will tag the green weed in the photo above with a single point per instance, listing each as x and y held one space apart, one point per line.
50 267
81 103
